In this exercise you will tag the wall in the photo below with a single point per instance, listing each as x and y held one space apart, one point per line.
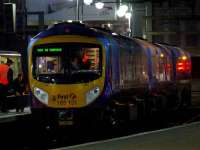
59 10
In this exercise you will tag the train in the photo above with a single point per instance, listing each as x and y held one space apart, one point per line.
17 69
15 57
80 74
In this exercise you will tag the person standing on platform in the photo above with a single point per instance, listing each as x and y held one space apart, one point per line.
6 78
19 86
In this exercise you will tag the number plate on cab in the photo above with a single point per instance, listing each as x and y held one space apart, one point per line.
65 99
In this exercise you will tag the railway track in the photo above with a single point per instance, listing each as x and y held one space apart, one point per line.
24 134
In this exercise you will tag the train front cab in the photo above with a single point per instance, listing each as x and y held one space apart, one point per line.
58 90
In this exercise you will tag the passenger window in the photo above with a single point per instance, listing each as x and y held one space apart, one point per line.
165 67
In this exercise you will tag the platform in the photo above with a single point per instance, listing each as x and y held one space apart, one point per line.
185 137
12 115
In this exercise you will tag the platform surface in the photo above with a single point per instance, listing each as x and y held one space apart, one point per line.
12 115
185 137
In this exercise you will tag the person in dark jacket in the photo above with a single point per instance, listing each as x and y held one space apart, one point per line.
19 86
6 77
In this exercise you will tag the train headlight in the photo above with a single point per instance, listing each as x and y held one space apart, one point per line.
92 95
41 95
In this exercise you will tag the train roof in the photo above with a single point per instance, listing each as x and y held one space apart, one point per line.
66 28
145 44
9 53
76 28
177 51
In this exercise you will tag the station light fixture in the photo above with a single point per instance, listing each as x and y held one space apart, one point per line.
128 15
99 5
122 10
70 21
87 2
120 13
109 25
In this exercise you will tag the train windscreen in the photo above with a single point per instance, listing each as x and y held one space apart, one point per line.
67 62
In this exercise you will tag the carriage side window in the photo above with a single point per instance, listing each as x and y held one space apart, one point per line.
159 61
124 59
165 67
144 74
168 68
155 65
140 67
162 62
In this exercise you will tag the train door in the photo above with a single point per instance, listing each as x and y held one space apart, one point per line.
114 60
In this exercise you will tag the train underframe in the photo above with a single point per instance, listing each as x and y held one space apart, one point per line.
120 109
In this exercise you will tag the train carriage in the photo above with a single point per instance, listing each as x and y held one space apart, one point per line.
160 74
182 74
81 73
17 69
15 57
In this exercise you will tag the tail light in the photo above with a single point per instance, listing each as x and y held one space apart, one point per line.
183 65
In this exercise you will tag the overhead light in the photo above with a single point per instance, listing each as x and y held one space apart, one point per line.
128 15
122 10
144 36
120 13
87 2
99 5
70 21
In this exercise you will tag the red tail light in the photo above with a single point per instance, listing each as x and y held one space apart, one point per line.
183 65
